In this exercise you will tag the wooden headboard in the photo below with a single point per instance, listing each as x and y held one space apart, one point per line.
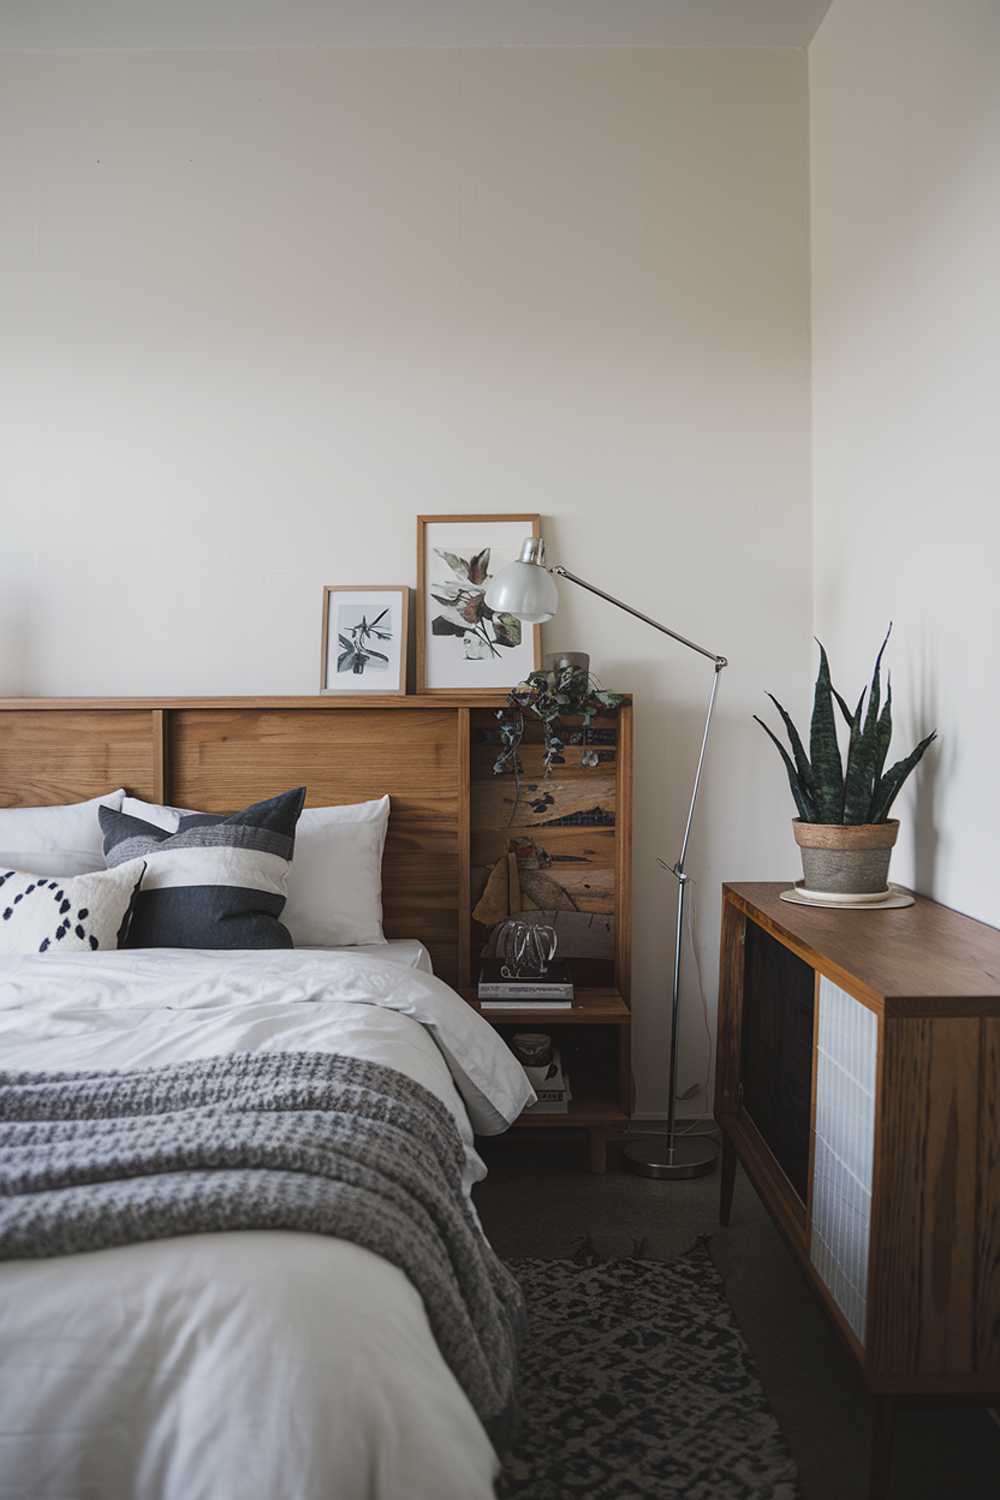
218 754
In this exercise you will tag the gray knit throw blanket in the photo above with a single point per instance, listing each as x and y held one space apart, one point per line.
295 1140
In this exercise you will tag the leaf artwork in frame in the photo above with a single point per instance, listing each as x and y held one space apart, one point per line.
462 644
358 639
465 613
364 639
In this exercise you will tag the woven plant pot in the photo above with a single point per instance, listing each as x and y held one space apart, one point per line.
846 859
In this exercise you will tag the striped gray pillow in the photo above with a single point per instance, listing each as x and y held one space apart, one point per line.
218 882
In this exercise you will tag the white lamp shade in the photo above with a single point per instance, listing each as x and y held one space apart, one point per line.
526 590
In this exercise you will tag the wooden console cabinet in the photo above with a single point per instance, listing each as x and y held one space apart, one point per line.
858 1083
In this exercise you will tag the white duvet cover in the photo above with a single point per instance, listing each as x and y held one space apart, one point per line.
249 1366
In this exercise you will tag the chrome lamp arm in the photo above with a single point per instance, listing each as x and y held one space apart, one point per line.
561 572
681 1157
719 662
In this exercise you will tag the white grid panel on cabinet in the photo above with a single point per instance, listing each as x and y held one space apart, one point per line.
847 1050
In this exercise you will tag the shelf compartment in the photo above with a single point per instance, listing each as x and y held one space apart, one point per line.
585 1108
604 1007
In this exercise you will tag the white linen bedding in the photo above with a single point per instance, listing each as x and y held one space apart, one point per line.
409 952
255 1365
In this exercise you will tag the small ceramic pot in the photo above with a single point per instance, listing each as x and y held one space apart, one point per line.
846 859
578 663
556 660
533 1049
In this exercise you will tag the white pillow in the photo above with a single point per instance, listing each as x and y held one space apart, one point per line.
65 916
335 883
63 840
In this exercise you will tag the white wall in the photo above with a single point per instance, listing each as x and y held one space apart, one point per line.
260 309
905 130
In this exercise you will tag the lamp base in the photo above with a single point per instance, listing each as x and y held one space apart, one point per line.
654 1156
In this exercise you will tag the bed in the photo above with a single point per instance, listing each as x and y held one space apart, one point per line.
268 1362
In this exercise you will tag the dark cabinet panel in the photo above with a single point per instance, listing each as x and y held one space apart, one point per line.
777 1041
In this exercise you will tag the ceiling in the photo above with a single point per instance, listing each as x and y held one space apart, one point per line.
45 24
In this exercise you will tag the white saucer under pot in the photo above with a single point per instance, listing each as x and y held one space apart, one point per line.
843 898
895 896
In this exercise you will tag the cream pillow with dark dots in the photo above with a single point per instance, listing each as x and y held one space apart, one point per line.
82 914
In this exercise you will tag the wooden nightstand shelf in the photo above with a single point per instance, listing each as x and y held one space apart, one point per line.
591 1007
572 835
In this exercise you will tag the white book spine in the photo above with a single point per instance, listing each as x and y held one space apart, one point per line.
526 1004
505 991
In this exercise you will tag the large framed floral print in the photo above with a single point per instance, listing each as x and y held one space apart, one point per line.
462 646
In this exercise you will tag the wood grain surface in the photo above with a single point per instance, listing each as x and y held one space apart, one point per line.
70 757
923 1299
325 702
625 800
730 1016
987 1267
920 956
572 848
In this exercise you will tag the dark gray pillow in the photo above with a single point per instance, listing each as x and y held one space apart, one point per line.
218 882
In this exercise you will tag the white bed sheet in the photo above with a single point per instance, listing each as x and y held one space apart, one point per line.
410 952
253 1365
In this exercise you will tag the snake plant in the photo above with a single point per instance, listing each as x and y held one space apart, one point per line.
825 789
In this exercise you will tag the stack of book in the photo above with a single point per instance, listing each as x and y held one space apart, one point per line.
551 1085
551 990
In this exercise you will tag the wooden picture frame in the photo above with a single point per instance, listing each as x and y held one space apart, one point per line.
365 672
500 666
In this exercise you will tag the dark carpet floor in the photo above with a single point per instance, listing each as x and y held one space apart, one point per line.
540 1200
635 1382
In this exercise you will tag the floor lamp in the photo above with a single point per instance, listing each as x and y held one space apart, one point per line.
526 589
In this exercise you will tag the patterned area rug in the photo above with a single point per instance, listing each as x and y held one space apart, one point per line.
636 1384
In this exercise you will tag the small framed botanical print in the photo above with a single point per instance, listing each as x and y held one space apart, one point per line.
364 639
462 646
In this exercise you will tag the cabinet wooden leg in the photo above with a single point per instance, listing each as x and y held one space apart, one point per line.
883 1428
727 1179
597 1142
